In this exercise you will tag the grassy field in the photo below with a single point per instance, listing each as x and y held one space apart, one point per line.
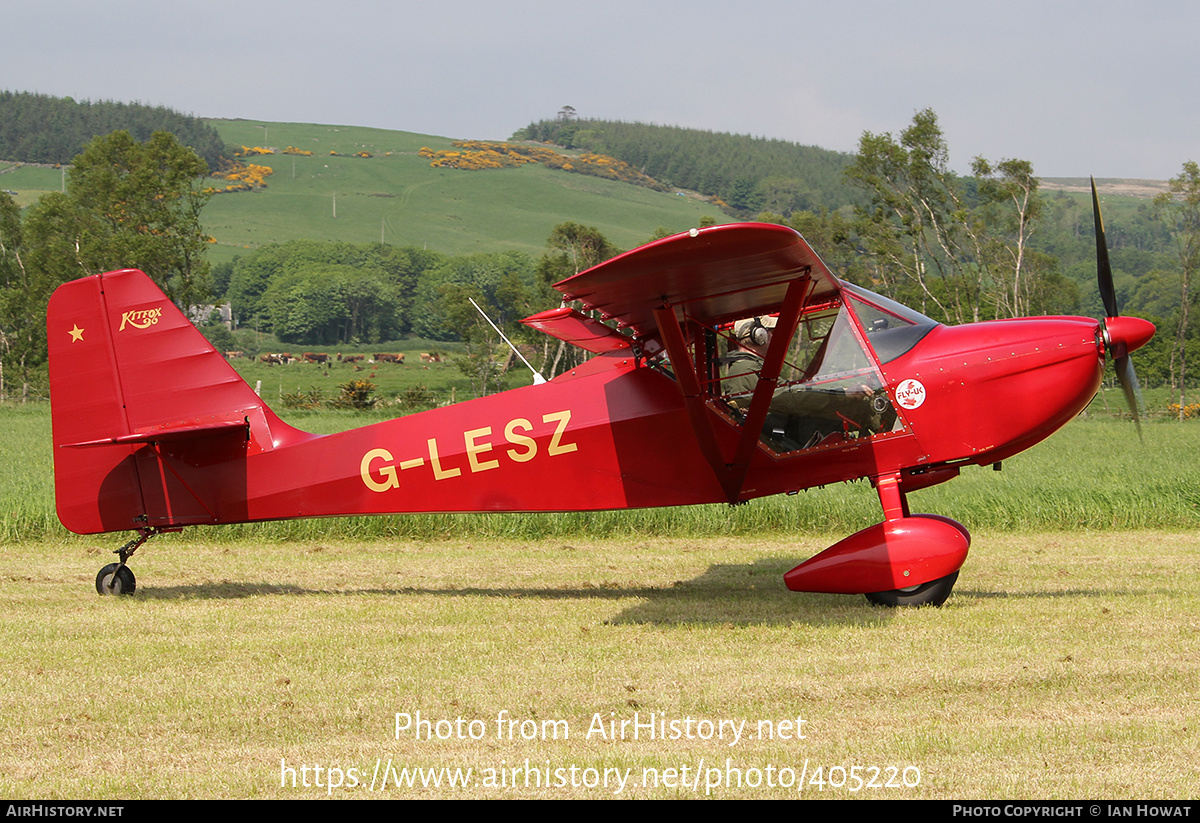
1064 666
444 379
395 197
1094 474
29 182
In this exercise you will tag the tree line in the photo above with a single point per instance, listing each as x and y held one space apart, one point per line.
993 245
746 174
37 128
318 293
322 293
127 204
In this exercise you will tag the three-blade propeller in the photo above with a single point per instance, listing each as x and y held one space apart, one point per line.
1121 334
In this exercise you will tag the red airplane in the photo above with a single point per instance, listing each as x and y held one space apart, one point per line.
729 364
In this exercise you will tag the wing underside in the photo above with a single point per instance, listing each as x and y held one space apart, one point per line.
709 275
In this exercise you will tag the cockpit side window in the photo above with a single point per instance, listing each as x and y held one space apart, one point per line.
829 390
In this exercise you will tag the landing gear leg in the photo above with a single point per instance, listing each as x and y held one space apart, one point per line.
926 550
117 578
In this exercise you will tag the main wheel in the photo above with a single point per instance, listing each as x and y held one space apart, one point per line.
933 593
115 578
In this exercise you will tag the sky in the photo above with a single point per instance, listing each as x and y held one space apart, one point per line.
1101 87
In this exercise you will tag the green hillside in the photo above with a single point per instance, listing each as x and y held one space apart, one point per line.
27 182
395 196
748 173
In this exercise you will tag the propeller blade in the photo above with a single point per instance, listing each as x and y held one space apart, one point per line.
1103 269
1127 377
1124 334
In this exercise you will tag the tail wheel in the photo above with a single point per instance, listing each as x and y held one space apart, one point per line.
933 593
115 578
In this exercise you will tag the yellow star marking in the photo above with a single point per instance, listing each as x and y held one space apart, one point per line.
76 333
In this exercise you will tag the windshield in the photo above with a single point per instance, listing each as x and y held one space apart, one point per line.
891 328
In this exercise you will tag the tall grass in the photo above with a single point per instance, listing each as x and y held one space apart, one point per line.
26 476
1094 474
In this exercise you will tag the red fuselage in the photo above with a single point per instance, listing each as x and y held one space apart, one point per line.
612 434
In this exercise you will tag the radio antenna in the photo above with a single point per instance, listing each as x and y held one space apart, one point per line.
537 377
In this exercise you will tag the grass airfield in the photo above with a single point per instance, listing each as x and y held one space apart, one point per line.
1064 666
277 661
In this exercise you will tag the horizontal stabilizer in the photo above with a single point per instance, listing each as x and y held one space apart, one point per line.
169 433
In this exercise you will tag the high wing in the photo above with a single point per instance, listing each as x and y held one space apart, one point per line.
710 275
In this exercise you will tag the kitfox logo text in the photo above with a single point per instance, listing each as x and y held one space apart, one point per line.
484 449
140 318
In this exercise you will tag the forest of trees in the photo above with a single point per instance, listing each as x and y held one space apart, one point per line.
37 128
992 245
320 293
315 294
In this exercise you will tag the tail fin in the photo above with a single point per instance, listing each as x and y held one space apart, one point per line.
140 401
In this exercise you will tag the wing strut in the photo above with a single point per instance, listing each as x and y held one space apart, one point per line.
768 381
731 475
693 393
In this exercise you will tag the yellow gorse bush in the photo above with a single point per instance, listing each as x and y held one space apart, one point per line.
478 154
242 177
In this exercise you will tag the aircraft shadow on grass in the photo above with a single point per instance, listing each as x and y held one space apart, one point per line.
735 594
738 594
